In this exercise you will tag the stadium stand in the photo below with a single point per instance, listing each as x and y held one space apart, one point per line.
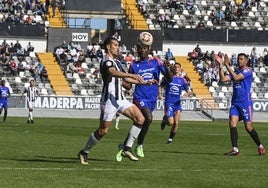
235 15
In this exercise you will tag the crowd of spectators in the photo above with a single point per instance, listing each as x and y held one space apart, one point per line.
208 69
220 13
18 61
22 11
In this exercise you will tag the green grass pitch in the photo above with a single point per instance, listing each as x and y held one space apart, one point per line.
45 155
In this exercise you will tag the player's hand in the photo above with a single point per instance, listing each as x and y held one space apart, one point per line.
137 77
226 60
219 60
151 82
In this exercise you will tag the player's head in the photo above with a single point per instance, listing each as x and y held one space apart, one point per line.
242 59
3 82
144 42
111 46
177 68
31 82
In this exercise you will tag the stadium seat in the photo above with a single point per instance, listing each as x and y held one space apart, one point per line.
266 95
254 95
222 105
221 94
257 79
262 70
211 89
18 80
215 84
44 91
83 92
91 92
224 89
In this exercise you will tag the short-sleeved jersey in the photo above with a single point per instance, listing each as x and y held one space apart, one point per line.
241 88
174 89
31 93
148 69
4 93
112 86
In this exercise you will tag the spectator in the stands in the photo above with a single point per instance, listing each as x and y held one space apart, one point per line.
129 59
190 5
29 47
17 45
117 36
54 7
228 15
239 12
134 51
29 19
99 54
169 55
199 67
212 16
47 4
219 17
123 48
201 25
13 67
254 57
265 52
265 60
233 60
246 4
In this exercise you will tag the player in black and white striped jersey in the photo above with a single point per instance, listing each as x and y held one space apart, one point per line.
31 93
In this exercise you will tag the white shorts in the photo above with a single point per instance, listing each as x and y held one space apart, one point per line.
31 104
109 109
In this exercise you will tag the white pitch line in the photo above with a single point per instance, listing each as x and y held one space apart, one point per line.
133 169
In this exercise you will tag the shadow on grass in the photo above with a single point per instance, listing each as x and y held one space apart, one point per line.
46 159
185 152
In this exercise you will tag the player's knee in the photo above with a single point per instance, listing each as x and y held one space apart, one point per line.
103 132
139 120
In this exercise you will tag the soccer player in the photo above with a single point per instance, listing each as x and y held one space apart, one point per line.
241 105
4 94
173 91
145 96
113 101
31 93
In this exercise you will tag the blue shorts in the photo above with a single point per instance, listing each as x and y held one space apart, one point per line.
141 104
3 104
243 110
171 108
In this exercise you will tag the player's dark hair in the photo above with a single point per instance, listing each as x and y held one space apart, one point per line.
108 41
177 63
243 54
3 82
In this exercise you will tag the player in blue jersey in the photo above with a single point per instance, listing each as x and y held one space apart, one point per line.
113 101
145 96
241 105
4 94
173 92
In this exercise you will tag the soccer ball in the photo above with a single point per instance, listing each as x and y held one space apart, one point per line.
145 38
